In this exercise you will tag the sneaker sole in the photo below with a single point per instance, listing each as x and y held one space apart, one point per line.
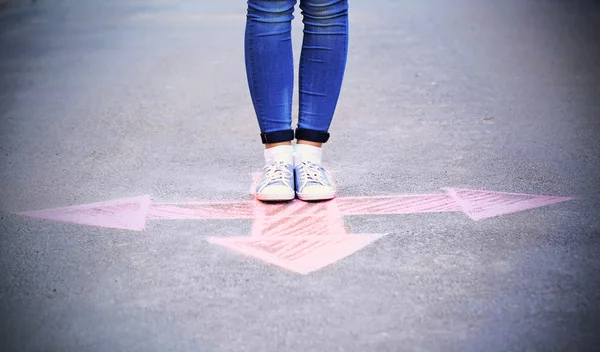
275 197
325 196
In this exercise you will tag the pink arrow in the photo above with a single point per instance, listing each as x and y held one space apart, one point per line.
298 236
477 204
132 213
304 237
126 213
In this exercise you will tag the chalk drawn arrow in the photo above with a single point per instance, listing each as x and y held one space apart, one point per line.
133 213
299 236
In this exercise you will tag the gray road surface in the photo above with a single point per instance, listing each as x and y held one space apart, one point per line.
103 100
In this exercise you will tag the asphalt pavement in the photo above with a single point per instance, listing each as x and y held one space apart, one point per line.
465 146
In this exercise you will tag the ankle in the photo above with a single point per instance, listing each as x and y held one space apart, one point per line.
305 142
273 145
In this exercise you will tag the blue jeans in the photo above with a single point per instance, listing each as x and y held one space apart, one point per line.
270 66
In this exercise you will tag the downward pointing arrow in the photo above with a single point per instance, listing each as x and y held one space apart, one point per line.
301 237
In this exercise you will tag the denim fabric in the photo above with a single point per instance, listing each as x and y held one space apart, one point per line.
270 64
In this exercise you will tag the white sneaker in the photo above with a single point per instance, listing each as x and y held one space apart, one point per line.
276 182
312 182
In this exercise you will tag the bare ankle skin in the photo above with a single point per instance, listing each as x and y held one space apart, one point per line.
314 144
271 145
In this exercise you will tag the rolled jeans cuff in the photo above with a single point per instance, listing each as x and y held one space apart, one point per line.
312 135
277 136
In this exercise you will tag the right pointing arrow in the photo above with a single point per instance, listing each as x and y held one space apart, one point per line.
477 204
480 205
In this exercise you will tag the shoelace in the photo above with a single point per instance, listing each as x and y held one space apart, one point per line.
312 173
277 171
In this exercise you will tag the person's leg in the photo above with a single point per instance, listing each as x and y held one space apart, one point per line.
270 67
322 67
270 73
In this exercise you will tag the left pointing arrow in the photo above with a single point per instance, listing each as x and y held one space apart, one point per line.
126 213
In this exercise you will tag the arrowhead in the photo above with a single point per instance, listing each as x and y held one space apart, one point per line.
127 214
480 205
301 255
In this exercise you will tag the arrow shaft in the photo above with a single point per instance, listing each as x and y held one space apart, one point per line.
409 204
297 219
201 210
267 215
